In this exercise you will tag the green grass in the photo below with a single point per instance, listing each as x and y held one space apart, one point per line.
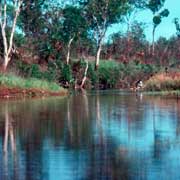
12 81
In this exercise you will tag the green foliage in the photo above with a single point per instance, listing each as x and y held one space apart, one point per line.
150 69
35 71
74 23
19 39
157 20
24 69
92 74
164 13
101 10
102 14
176 22
66 73
108 73
155 5
111 73
31 17
51 73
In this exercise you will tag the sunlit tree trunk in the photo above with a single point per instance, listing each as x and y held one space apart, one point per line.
8 43
99 49
153 36
68 50
85 75
100 37
6 62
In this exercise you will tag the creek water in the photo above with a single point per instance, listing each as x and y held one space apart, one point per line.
102 135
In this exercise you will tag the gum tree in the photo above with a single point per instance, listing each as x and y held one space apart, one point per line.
156 8
8 23
31 18
135 6
100 15
74 25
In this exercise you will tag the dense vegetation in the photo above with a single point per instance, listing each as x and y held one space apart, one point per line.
55 42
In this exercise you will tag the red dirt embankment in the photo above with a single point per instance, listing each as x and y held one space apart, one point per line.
6 92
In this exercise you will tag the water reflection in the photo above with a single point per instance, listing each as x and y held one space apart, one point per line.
90 136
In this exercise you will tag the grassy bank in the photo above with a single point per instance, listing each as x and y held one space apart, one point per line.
110 74
164 82
12 85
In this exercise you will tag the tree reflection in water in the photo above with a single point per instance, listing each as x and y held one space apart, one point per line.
9 153
90 136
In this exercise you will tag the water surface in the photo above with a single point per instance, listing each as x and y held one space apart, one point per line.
94 136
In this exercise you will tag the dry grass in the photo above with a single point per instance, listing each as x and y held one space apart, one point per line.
164 82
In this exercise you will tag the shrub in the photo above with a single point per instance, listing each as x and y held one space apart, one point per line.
92 74
35 72
51 74
163 82
66 74
108 73
23 68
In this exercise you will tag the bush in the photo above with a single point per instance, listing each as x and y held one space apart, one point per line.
23 68
108 73
35 72
92 74
163 82
66 73
51 74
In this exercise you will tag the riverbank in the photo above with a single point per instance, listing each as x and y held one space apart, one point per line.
12 86
164 82
110 75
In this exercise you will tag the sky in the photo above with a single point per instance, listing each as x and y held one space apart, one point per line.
165 29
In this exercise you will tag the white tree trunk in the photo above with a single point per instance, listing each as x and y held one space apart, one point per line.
3 23
98 55
85 75
153 35
68 50
6 62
